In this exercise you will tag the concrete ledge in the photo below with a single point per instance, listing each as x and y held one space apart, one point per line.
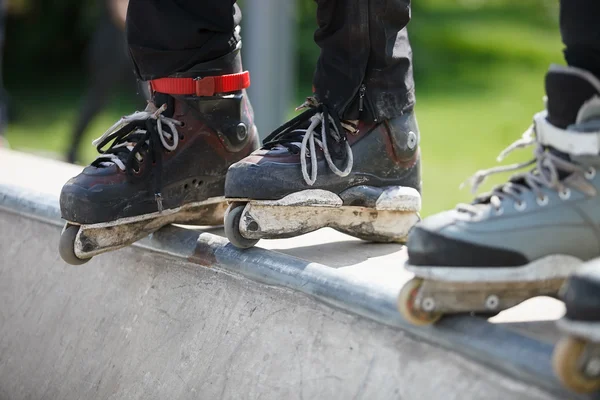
360 340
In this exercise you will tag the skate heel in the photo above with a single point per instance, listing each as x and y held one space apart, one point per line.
369 213
79 243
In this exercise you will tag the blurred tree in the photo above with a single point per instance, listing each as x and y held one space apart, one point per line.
48 33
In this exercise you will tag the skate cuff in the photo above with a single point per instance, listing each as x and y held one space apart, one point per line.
207 86
567 141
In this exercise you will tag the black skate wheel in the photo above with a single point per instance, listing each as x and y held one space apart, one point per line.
568 368
66 246
232 227
406 305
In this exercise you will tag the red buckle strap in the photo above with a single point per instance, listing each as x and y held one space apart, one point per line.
207 86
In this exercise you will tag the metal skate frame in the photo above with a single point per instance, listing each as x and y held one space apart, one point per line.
394 213
99 238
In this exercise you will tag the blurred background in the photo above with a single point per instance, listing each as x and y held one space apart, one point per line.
479 67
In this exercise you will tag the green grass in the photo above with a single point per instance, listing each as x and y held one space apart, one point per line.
479 70
479 78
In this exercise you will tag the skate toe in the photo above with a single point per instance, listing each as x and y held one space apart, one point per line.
85 199
431 245
264 181
74 202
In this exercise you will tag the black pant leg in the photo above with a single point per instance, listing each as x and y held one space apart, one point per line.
343 36
389 75
169 36
580 30
364 44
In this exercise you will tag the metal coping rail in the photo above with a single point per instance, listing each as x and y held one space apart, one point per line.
492 345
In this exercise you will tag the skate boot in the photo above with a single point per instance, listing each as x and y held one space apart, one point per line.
576 357
526 236
317 171
163 165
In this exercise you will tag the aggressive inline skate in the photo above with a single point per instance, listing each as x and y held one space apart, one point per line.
318 171
526 236
163 165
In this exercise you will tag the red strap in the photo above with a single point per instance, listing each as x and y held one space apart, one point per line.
206 86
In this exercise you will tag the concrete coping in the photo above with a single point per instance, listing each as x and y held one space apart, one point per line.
29 186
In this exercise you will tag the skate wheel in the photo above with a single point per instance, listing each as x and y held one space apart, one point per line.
567 366
66 246
232 227
406 302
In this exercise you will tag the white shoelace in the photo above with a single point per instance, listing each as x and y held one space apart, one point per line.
545 174
308 148
317 114
151 112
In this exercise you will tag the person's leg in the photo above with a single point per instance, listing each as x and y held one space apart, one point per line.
364 52
524 237
166 37
167 163
364 155
105 61
580 32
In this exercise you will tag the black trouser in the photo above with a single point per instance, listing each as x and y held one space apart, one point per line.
580 30
363 45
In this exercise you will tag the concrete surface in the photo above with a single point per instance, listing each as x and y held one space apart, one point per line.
185 315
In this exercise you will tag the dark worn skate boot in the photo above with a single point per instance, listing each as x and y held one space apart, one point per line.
164 164
317 171
576 358
525 237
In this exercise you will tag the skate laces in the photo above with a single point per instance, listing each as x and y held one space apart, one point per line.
324 129
550 169
130 135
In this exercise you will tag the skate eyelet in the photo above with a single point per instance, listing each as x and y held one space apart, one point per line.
565 194
520 205
181 138
499 211
193 181
185 187
542 201
590 173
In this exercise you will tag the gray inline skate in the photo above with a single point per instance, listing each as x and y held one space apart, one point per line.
525 237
